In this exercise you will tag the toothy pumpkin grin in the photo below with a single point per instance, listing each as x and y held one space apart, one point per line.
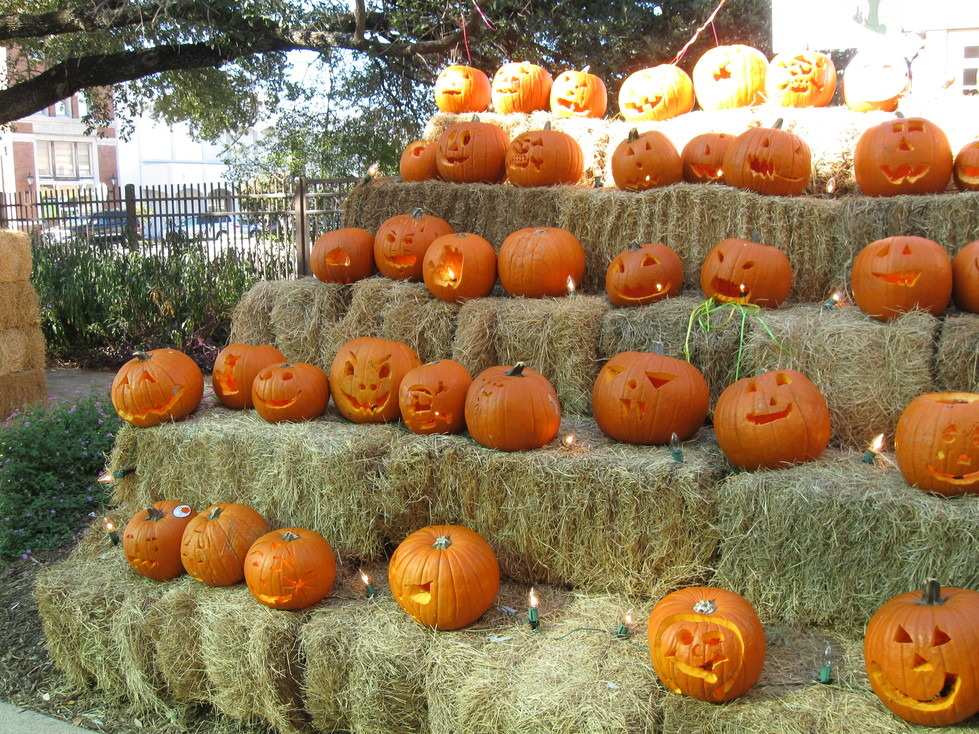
156 408
729 290
943 699
338 257
705 671
906 278
905 173
379 402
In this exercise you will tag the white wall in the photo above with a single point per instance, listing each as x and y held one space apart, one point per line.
160 155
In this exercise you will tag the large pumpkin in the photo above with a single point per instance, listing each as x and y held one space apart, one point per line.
536 262
645 398
578 94
343 255
801 79
965 169
741 271
472 152
898 274
459 267
707 643
875 81
645 161
365 377
657 93
937 443
965 278
290 392
419 161
460 88
521 87
444 576
725 77
768 160
906 155
544 158
290 568
512 409
433 397
644 275
401 242
920 653
234 371
770 420
151 540
156 387
215 542
702 157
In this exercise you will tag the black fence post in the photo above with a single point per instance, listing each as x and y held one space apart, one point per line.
3 210
302 227
132 225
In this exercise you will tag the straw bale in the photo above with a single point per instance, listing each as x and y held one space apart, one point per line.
22 348
957 354
22 388
176 641
19 305
474 346
866 396
15 256
251 321
826 543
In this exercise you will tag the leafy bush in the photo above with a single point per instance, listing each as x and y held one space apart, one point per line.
50 458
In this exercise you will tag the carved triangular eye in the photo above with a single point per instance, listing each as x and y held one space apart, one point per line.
147 377
748 265
782 379
706 150
612 372
907 250
941 638
885 250
658 379
752 387
901 635
766 143
649 260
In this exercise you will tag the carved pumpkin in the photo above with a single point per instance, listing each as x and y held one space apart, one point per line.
419 161
578 94
512 409
730 76
472 152
156 387
770 420
803 79
875 81
702 157
645 161
965 278
521 87
537 262
401 242
645 397
215 542
444 576
296 391
365 377
544 158
151 540
768 160
433 397
234 371
459 267
897 274
741 271
965 169
644 275
707 643
658 93
902 156
343 256
937 443
290 568
460 88
920 653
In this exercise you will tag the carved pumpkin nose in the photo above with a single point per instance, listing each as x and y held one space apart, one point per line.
920 665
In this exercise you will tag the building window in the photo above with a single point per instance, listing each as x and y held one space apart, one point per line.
970 67
64 161
62 108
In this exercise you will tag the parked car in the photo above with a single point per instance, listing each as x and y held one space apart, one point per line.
109 227
206 227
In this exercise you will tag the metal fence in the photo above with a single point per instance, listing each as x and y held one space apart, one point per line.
275 228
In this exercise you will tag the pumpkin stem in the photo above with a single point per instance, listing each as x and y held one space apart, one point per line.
899 115
547 125
516 370
442 542
705 606
633 135
778 124
474 118
418 213
586 69
215 512
141 356
288 536
932 594
658 348
154 513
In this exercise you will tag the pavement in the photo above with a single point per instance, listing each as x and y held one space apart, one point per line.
66 384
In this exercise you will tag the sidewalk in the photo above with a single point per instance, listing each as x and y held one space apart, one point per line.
15 720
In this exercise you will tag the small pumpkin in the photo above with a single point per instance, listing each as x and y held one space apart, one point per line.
906 155
742 271
290 568
521 87
645 161
459 267
460 88
702 158
965 278
897 274
657 93
419 161
512 409
544 158
444 576
875 81
965 167
151 540
706 643
768 160
644 275
472 152
215 542
537 262
156 387
401 242
726 77
365 377
290 391
234 371
433 397
578 94
801 79
343 255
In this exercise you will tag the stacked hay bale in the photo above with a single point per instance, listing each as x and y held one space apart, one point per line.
22 348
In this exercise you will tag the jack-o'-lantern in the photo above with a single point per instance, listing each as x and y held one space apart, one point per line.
215 542
770 420
965 168
875 81
296 391
537 262
702 157
802 79
156 387
290 568
472 152
544 158
741 271
512 409
343 256
937 443
965 278
707 643
433 397
644 275
768 160
726 77
897 274
645 161
234 371
365 378
521 87
151 540
419 161
646 397
920 654
444 576
578 94
906 155
460 88
658 93
459 267
401 242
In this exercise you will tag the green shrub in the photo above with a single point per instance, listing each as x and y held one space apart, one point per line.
50 459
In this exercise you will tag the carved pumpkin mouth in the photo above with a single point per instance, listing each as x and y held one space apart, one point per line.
941 700
378 404
764 167
969 174
647 104
281 403
905 173
571 104
761 419
338 257
702 170
728 290
526 161
705 671
456 159
637 292
967 478
907 278
639 406
421 594
403 261
226 380
155 409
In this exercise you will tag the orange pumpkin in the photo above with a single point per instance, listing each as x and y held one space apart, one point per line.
472 152
725 77
234 371
521 87
433 397
296 391
578 94
896 274
365 377
419 161
512 409
156 387
343 256
460 88
902 156
151 540
965 168
768 160
658 93
459 267
215 542
290 568
741 271
965 278
401 242
537 262
544 158
645 161
875 81
644 275
802 79
702 158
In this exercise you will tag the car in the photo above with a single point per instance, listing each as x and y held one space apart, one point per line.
109 227
207 227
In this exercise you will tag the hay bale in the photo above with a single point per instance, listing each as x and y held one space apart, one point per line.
176 642
19 305
957 354
866 396
826 543
474 346
251 321
22 349
22 388
15 256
